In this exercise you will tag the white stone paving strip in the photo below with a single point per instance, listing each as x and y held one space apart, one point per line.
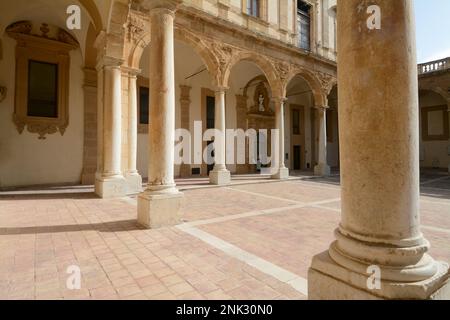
264 195
298 283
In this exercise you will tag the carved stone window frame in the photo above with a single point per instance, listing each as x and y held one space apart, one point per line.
41 48
424 113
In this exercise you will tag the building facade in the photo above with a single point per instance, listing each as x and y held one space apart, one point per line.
251 50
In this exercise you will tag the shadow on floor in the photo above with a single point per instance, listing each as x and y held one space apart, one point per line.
44 195
113 226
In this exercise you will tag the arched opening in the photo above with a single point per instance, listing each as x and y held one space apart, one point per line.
194 101
253 109
434 131
301 125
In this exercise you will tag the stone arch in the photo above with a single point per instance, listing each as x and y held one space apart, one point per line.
437 90
319 92
208 58
263 63
94 14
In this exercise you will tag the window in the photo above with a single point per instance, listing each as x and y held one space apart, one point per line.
295 122
42 78
144 105
253 8
330 127
210 112
42 89
435 124
304 24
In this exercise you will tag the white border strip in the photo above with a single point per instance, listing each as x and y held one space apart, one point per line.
298 283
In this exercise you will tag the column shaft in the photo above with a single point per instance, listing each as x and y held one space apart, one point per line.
162 105
282 172
220 175
109 181
322 168
134 180
159 205
379 130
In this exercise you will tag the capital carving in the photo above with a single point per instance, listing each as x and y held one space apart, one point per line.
224 54
283 70
135 27
327 81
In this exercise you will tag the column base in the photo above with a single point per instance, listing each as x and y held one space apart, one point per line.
282 174
220 178
159 210
110 187
329 281
134 183
322 170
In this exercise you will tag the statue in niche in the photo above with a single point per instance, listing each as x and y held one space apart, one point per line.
261 99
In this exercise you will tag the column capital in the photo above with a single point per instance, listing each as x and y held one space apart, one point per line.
279 100
322 108
219 89
170 5
108 62
132 72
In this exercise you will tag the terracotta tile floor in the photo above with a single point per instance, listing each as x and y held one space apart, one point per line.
246 241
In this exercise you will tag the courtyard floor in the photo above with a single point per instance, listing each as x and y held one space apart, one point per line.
252 240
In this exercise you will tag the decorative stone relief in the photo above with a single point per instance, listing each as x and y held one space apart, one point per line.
326 81
224 53
135 27
283 70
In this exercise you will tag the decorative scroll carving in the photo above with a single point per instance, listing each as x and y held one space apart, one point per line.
283 70
18 29
223 53
135 27
326 81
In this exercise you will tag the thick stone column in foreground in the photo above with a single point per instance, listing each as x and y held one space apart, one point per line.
159 205
220 175
109 180
322 168
133 178
379 252
282 172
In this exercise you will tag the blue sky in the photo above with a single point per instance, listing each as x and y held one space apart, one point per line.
433 29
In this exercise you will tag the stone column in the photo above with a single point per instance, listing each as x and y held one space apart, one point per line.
282 173
159 205
109 181
220 175
322 168
241 120
134 179
185 102
379 252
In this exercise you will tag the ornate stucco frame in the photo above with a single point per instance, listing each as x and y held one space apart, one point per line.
44 49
